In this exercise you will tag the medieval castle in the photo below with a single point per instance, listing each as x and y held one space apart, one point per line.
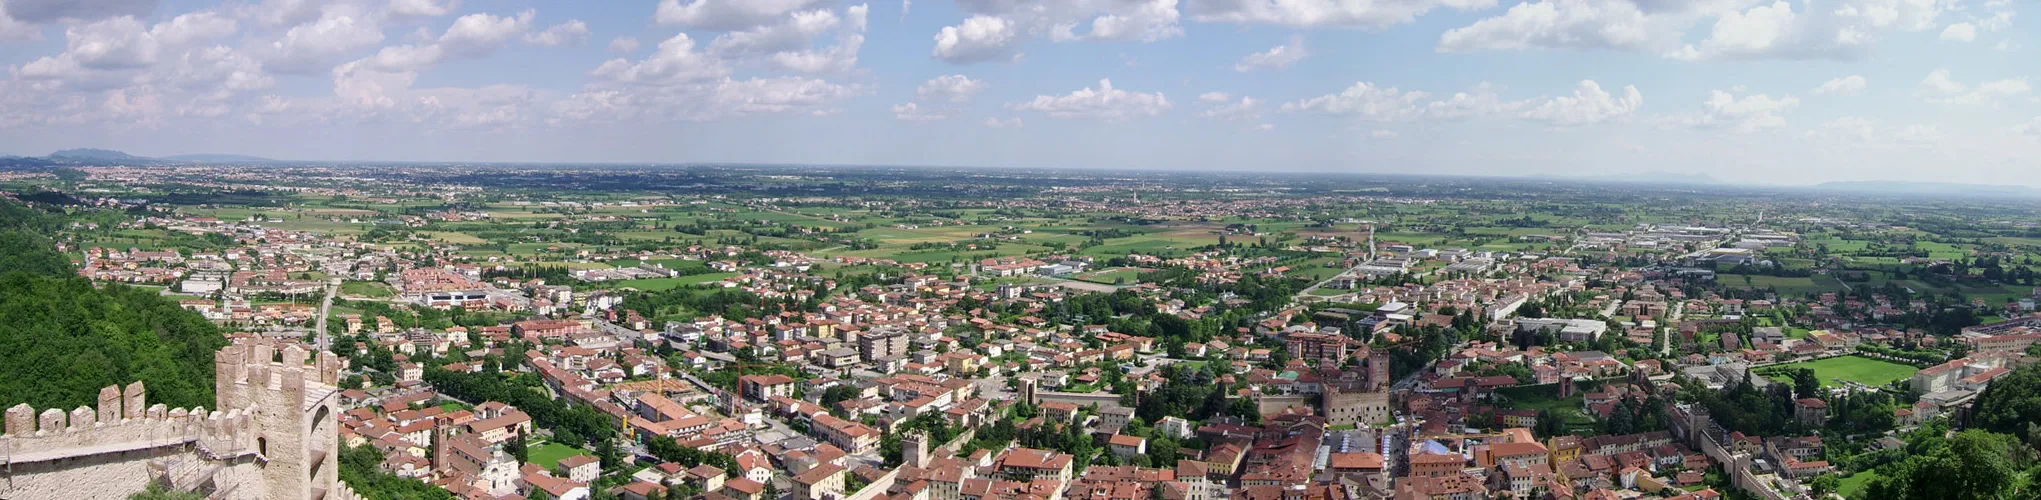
272 435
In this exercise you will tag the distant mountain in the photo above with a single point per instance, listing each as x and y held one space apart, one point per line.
94 154
219 158
1930 188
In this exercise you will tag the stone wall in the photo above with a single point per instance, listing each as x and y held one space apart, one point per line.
276 439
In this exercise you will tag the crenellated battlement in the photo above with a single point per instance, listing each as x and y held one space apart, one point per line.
254 370
122 423
274 435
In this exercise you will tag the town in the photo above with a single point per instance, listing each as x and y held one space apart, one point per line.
835 333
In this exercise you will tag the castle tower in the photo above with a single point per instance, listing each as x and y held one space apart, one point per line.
295 413
914 449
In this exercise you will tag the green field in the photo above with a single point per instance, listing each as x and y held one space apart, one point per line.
370 289
1855 483
656 284
546 455
1858 369
1545 398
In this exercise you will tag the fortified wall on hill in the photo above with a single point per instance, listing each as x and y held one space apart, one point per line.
272 435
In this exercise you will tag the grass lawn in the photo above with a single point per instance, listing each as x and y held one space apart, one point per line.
546 455
1851 485
1859 369
1545 398
370 289
657 284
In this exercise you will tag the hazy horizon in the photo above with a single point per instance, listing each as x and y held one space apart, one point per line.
1743 91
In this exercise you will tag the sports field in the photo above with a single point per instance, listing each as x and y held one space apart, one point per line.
1857 369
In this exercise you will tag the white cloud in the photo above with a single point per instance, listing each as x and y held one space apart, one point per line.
979 38
779 95
1589 104
46 11
1102 103
1939 88
480 34
1564 24
1960 32
675 61
1247 108
315 46
792 33
1323 13
422 8
623 44
1848 85
1282 56
2032 127
1480 101
1843 31
15 30
1366 101
728 15
1014 122
1214 97
1142 20
572 32
1383 134
1734 29
1744 115
914 112
952 88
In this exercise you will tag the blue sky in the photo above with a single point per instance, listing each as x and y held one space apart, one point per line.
1759 91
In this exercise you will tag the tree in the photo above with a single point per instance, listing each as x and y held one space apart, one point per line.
2010 403
1974 464
1824 484
1805 384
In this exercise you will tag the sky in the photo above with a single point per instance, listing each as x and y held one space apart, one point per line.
1746 91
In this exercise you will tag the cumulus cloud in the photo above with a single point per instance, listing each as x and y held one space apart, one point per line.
481 33
1366 101
1282 56
422 8
1732 29
915 113
1939 88
1589 104
315 46
1960 32
1744 115
979 38
48 11
952 88
675 61
1848 85
1323 13
1564 24
728 15
572 32
623 44
1247 108
1214 97
1101 103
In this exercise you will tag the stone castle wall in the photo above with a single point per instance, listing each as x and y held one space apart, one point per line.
277 437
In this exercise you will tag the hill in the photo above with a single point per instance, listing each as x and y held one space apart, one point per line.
62 339
94 154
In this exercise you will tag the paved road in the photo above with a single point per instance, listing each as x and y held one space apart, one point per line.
325 308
